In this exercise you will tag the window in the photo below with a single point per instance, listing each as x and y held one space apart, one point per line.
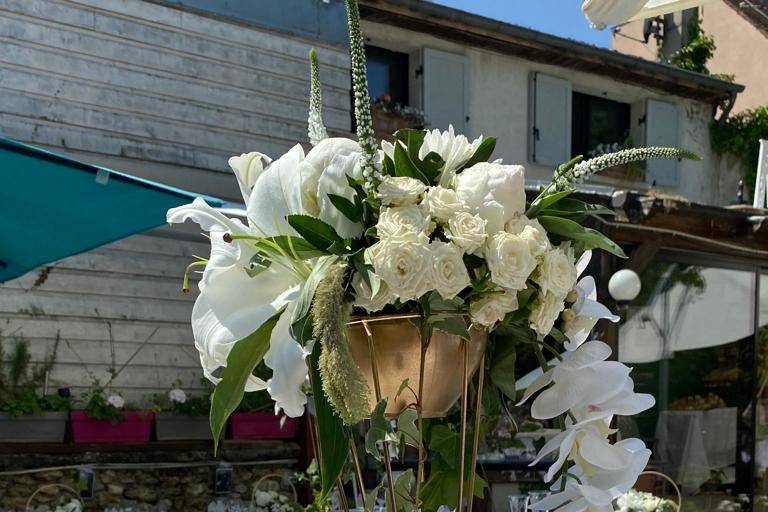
599 125
387 74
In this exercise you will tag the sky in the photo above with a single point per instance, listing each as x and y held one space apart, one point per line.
559 17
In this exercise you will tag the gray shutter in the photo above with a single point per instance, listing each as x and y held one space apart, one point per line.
549 136
445 90
661 129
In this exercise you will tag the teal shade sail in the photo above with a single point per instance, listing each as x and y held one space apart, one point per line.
52 207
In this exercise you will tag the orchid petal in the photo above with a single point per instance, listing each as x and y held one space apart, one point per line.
583 262
540 381
597 451
587 354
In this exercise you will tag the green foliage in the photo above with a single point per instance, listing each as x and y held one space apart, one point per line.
740 136
318 233
333 436
583 238
245 355
98 408
20 380
193 406
697 52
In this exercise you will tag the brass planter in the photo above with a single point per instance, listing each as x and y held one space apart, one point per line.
397 348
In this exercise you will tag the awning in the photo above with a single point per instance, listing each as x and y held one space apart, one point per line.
602 13
52 207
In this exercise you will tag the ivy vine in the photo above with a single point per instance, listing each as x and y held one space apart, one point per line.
740 136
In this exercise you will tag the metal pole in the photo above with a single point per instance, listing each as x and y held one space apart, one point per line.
476 432
464 406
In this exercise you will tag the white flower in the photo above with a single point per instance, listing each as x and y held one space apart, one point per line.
510 260
263 499
449 274
402 220
177 395
364 297
455 150
584 379
493 308
557 273
467 231
599 486
531 231
247 168
545 312
324 171
116 401
442 203
404 263
493 191
400 190
586 310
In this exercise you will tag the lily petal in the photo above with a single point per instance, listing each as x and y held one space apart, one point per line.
276 194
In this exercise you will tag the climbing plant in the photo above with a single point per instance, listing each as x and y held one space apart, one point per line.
740 135
695 54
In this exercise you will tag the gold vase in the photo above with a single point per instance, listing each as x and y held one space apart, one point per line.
397 348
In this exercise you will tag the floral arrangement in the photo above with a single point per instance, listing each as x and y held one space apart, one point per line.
636 501
429 229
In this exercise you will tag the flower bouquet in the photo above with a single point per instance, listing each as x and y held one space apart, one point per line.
379 279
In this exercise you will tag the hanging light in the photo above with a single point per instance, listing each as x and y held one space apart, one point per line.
624 285
602 13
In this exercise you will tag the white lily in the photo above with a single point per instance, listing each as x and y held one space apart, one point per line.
455 150
583 379
247 168
586 310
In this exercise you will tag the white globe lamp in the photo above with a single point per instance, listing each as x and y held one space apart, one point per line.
624 285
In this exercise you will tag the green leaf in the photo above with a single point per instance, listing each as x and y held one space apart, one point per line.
442 488
413 139
574 207
379 430
406 427
482 153
245 355
431 165
403 498
404 166
444 443
450 323
293 245
349 209
307 293
315 231
502 372
370 498
543 202
333 436
587 238
403 387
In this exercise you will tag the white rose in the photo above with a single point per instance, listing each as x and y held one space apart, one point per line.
404 263
401 220
400 190
177 395
364 298
116 401
467 231
545 312
247 168
493 308
557 272
442 203
532 232
493 191
449 273
510 260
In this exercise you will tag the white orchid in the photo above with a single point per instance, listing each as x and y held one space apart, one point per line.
455 150
585 310
584 379
594 487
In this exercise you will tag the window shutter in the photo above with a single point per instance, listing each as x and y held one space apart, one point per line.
549 137
445 90
661 129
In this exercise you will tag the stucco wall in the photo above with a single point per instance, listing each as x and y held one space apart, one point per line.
498 106
741 50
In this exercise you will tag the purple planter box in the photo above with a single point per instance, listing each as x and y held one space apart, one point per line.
260 425
133 428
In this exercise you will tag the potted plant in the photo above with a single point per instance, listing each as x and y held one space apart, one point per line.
106 419
390 116
179 416
398 279
25 414
255 419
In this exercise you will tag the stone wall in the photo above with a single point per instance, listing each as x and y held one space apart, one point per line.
156 480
